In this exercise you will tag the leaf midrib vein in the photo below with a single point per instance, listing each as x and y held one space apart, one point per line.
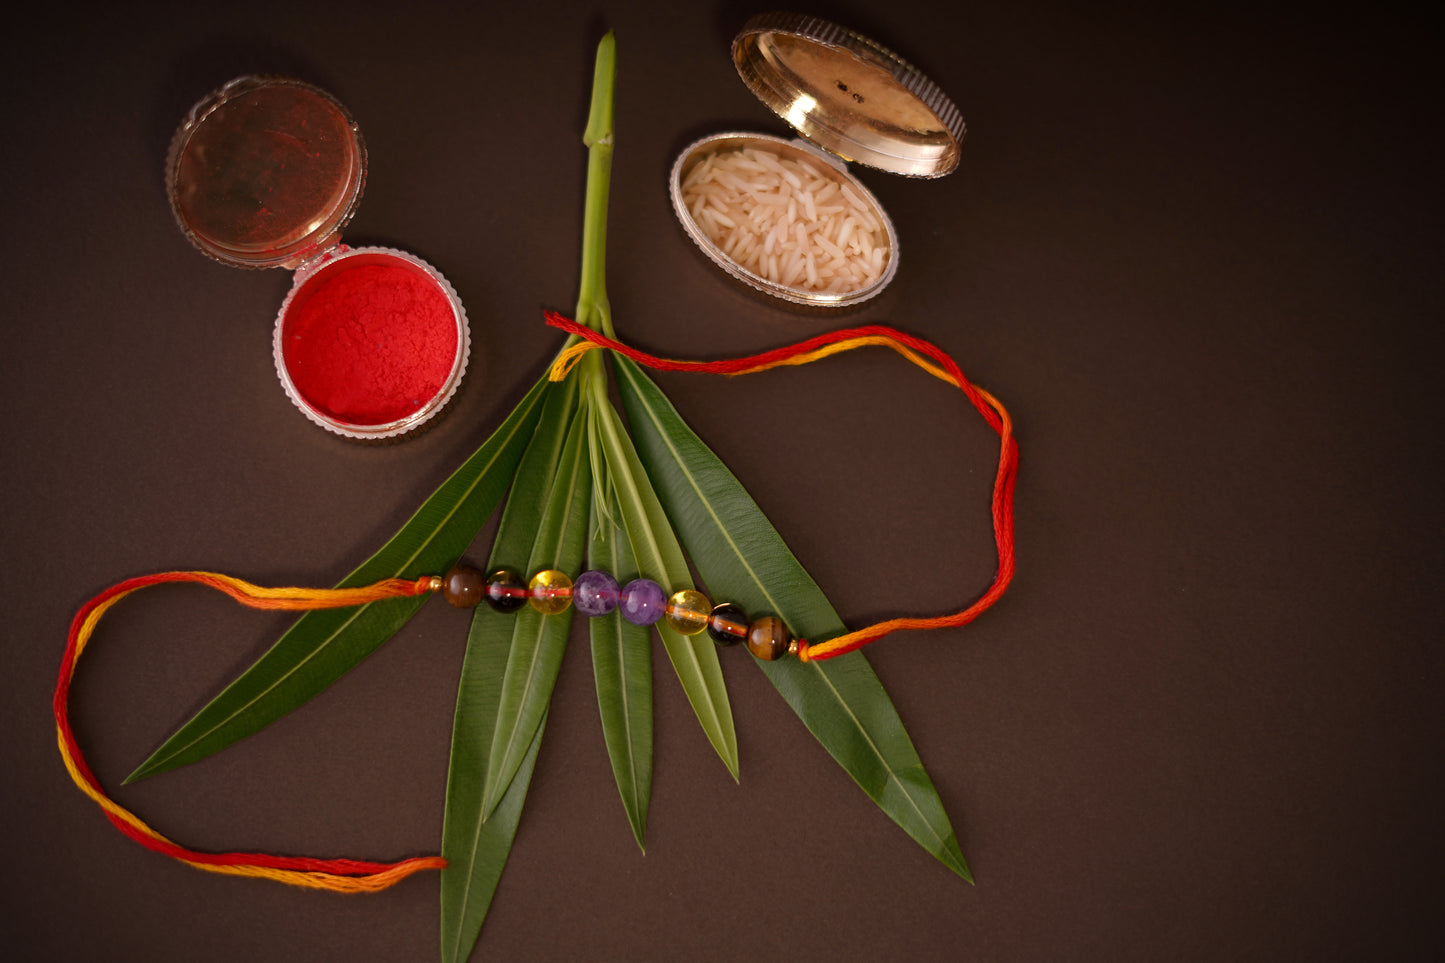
717 523
674 647
509 744
355 615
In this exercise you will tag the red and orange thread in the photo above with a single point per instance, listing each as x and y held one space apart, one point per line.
926 356
359 876
340 875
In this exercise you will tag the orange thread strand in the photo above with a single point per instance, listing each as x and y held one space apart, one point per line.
350 876
337 875
927 357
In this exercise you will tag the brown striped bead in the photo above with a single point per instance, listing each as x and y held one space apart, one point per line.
768 638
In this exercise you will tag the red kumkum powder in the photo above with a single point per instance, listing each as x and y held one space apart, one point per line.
372 345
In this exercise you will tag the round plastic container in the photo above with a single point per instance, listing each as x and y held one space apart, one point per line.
850 100
370 343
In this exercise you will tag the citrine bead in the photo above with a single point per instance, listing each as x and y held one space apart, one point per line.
550 592
688 611
768 638
463 586
728 624
505 590
642 601
595 593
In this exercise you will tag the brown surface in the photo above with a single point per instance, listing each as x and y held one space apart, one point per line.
1195 251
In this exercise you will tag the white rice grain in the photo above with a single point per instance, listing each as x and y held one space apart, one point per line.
767 213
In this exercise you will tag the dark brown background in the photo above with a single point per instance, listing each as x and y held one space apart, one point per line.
1194 249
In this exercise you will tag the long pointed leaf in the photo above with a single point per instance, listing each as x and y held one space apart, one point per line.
476 852
322 645
539 640
659 557
742 558
622 668
476 847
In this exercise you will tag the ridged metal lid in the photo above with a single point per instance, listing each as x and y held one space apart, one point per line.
849 95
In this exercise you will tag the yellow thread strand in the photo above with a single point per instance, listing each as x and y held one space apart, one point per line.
568 359
256 597
837 347
374 883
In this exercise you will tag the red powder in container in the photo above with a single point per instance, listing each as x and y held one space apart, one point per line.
371 345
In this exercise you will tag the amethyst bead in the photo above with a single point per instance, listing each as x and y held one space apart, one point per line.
595 593
642 601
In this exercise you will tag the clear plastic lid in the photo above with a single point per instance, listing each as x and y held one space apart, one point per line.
849 95
265 172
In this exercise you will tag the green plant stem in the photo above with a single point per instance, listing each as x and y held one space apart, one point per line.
593 309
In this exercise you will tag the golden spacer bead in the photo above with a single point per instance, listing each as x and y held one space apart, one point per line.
687 611
550 592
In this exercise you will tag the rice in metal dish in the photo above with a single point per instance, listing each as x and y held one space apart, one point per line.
786 220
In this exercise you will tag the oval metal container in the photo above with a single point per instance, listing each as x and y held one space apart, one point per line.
851 100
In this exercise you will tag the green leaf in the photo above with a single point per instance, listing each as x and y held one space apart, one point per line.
622 667
475 845
538 640
742 559
322 645
660 558
476 850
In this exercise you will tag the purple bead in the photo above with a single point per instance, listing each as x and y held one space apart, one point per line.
642 601
595 593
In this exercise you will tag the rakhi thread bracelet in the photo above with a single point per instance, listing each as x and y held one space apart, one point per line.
338 875
926 356
641 602
550 591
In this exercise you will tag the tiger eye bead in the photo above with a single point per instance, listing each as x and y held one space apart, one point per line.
595 593
505 590
687 611
642 601
463 586
728 624
550 592
768 638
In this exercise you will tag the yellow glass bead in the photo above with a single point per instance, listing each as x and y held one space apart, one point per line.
550 592
688 611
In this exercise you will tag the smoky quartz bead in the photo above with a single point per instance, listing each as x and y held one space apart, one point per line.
728 624
506 591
